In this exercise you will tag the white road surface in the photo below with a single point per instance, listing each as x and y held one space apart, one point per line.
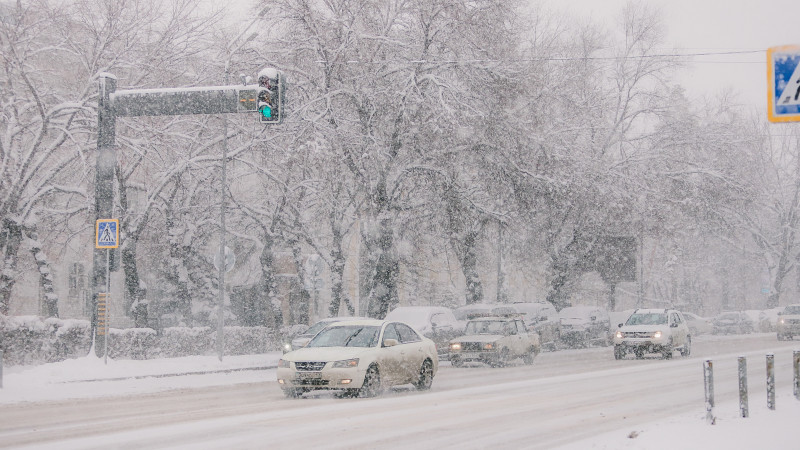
563 398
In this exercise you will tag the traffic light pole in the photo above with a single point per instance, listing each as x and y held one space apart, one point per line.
160 102
105 165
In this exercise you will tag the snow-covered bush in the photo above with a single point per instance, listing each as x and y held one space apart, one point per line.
27 340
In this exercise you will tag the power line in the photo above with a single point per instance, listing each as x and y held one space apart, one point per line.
561 58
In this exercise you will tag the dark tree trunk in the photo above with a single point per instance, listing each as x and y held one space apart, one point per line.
268 285
338 296
384 295
469 265
50 305
12 236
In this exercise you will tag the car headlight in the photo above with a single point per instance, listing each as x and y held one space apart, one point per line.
619 334
283 364
345 364
781 320
657 335
287 347
455 346
488 346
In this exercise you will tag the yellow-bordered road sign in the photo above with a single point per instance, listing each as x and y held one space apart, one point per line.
107 233
783 83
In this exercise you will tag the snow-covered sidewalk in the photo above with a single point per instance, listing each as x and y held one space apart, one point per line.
94 377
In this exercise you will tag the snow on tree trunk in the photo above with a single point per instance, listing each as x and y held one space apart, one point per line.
50 304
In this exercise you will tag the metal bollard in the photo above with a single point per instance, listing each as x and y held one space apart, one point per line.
708 378
1 369
771 382
744 411
796 359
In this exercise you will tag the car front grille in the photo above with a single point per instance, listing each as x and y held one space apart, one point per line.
472 346
638 334
311 382
309 366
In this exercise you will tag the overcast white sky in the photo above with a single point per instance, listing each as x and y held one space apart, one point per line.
699 26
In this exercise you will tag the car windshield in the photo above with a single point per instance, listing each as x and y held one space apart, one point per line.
485 327
793 309
346 336
647 319
314 329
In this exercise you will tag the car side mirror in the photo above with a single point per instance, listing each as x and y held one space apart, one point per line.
780 313
673 325
390 342
593 318
620 325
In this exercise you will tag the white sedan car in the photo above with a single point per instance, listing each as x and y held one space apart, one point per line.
360 357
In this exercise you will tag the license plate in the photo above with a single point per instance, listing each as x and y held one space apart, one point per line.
309 375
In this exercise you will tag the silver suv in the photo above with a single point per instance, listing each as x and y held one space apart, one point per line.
788 325
653 331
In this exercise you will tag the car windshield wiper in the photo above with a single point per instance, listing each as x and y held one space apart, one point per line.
347 342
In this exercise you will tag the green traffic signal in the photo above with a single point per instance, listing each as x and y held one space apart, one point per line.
266 111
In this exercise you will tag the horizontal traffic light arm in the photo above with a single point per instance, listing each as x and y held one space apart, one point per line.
176 101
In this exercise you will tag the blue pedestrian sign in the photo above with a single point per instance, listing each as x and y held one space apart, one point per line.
107 233
783 83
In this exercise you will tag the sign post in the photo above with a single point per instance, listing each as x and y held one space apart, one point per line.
783 83
107 237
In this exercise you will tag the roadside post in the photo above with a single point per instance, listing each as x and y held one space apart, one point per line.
743 404
708 377
1 369
771 382
107 237
795 384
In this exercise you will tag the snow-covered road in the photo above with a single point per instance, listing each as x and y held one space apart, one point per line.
565 397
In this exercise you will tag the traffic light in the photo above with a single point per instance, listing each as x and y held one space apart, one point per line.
270 96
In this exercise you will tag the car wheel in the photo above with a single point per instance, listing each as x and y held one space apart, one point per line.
667 352
502 359
293 393
619 352
372 383
425 376
687 347
528 358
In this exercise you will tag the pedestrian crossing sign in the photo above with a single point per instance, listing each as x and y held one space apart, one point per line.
783 83
107 233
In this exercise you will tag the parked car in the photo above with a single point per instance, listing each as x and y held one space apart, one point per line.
467 312
436 323
732 322
495 341
542 318
584 325
698 325
759 319
771 319
653 331
302 339
789 323
361 358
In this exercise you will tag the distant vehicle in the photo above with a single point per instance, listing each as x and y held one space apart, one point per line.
436 323
653 331
542 318
301 340
789 323
495 341
467 312
361 358
698 325
759 319
771 319
732 322
584 325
